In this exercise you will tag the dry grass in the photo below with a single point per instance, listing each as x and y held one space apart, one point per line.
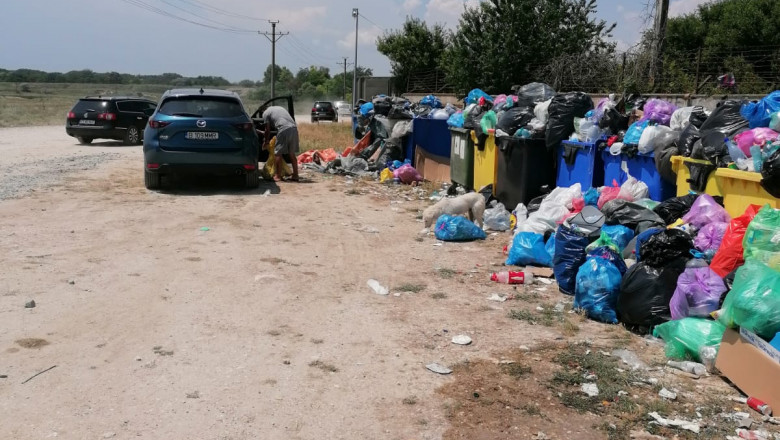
324 366
325 135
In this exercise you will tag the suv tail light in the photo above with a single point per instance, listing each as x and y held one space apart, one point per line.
245 126
107 116
71 115
314 109
158 124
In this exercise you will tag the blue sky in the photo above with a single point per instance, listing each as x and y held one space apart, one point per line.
116 35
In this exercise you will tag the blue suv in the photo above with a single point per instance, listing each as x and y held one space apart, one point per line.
200 131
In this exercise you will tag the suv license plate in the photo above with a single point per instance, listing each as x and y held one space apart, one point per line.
202 135
87 122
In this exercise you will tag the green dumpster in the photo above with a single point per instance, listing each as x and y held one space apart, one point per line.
462 157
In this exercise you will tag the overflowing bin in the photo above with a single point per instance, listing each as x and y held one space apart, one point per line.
580 162
462 157
641 166
523 168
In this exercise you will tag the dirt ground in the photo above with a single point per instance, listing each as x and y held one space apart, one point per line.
211 312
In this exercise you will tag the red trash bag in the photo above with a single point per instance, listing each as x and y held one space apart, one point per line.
729 255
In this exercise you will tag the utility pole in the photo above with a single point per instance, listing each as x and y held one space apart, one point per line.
661 17
355 14
345 64
273 38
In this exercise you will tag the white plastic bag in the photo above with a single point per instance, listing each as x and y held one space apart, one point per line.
681 118
521 214
497 218
633 189
440 114
401 129
542 111
563 195
589 131
657 136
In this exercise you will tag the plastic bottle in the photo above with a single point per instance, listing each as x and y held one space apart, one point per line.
508 277
734 151
758 158
689 367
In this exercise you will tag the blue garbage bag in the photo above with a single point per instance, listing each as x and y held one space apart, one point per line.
457 228
598 284
528 249
550 247
474 95
620 234
455 120
759 114
635 132
367 109
591 197
431 101
569 256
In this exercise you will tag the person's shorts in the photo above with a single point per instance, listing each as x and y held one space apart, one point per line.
287 142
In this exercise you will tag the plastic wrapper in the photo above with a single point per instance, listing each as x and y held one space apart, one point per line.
633 189
457 228
541 111
757 136
631 215
474 95
562 111
645 293
770 173
619 234
657 136
598 284
686 337
665 246
754 300
497 218
706 210
730 254
710 236
569 256
534 93
675 208
698 293
591 197
515 118
726 118
658 111
456 120
762 238
528 249
634 132
759 114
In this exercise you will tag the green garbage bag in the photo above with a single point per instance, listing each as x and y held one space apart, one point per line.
762 238
604 240
754 300
685 337
489 121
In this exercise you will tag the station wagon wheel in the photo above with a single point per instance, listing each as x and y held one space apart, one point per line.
132 135
84 140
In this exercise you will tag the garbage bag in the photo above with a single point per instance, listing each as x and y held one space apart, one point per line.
608 193
634 132
730 254
569 256
647 203
431 101
541 111
544 219
499 102
754 300
657 136
534 93
614 120
665 246
407 174
631 215
550 247
658 111
759 113
472 117
633 189
645 293
439 113
367 109
706 210
598 284
474 95
675 208
588 222
619 234
497 218
688 138
515 118
698 116
604 240
762 238
726 118
709 237
681 118
488 121
564 195
685 337
757 136
698 293
457 228
562 111
591 197
641 238
528 249
770 173
712 146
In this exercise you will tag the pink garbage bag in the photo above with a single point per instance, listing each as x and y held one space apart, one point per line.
407 174
705 210
757 136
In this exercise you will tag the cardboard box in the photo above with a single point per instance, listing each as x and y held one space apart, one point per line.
432 167
752 365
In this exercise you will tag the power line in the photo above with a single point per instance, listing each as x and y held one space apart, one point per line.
224 12
164 13
200 16
375 25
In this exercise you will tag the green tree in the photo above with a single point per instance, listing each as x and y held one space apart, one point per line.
314 75
413 48
502 43
282 75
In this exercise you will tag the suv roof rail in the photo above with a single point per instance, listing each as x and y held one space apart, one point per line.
110 98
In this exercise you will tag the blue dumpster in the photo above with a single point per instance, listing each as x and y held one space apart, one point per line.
641 167
580 162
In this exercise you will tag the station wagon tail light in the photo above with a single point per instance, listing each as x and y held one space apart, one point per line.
158 124
71 115
246 126
107 116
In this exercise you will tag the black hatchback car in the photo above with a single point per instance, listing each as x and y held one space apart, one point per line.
324 111
118 118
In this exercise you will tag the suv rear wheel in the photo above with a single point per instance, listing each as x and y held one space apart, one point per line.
252 179
152 180
84 140
132 135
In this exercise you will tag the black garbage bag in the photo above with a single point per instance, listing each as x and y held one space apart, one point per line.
391 151
712 147
663 163
630 250
687 140
770 173
474 118
645 293
614 121
629 214
399 111
698 116
515 118
382 106
675 208
661 248
422 111
563 109
568 257
699 173
534 93
635 102
726 118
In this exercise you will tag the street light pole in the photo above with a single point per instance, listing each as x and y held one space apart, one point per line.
355 14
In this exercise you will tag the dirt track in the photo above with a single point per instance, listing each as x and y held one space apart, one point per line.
260 327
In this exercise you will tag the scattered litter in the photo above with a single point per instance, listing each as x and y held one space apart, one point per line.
591 389
540 436
377 288
694 368
622 393
545 281
267 193
590 376
497 297
738 399
438 244
461 340
524 348
753 435
559 307
542 272
745 423
735 416
773 420
29 304
679 423
205 229
629 358
397 294
539 309
424 231
666 394
439 369
369 230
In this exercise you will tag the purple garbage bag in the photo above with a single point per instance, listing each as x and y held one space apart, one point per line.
658 111
407 174
705 210
710 236
697 294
